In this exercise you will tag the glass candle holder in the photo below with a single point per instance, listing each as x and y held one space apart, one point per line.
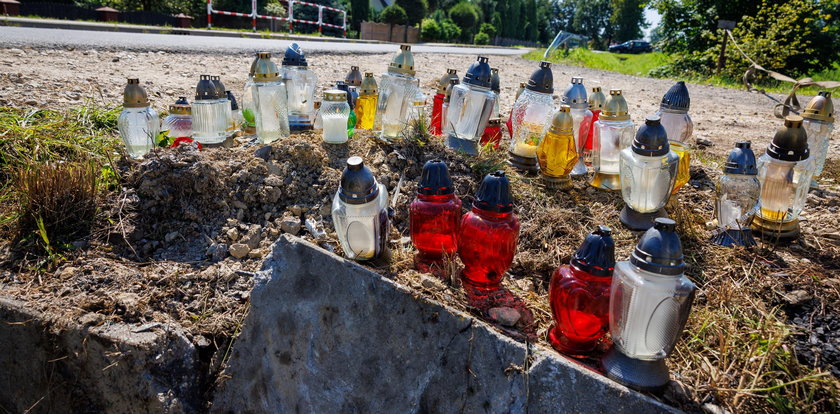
179 121
434 219
492 134
209 112
470 108
650 303
446 99
556 153
138 123
613 132
596 104
437 101
737 198
300 83
509 122
488 234
334 114
366 105
247 102
269 92
575 97
360 212
648 170
397 88
673 113
785 172
579 295
530 116
818 121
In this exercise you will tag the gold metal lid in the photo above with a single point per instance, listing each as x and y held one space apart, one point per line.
369 86
180 107
265 70
820 108
444 80
615 109
597 99
562 120
134 96
335 95
403 62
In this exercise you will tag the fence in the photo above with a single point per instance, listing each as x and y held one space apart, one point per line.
73 12
396 33
290 19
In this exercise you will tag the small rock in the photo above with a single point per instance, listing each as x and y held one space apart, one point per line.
714 409
169 92
17 52
290 225
116 59
296 210
325 210
31 102
73 95
704 142
314 228
256 254
505 316
525 285
263 152
239 250
128 300
797 297
254 236
233 234
201 341
170 236
67 272
217 251
431 283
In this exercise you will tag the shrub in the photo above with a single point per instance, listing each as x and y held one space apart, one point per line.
430 30
465 15
489 29
393 14
449 31
275 8
415 10
481 38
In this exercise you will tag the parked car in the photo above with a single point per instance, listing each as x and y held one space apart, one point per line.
632 46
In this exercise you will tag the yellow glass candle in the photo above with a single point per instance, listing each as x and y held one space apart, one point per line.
557 152
683 168
366 104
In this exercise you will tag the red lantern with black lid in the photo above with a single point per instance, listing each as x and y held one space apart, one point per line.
434 218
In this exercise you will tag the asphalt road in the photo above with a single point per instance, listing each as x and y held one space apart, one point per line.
52 38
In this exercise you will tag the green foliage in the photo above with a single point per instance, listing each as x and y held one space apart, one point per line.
627 19
640 64
275 8
393 14
414 9
488 29
359 12
430 30
442 31
481 38
465 15
592 18
450 31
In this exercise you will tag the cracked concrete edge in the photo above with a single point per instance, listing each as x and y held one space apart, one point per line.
58 366
554 383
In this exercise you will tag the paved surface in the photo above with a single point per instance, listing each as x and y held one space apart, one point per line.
57 38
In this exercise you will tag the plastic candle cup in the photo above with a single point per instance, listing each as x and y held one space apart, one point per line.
488 234
785 172
179 121
530 116
673 112
470 108
437 102
366 105
301 84
818 122
138 123
434 218
271 113
492 134
557 154
579 295
334 114
650 301
575 97
596 104
612 132
359 212
737 197
397 88
648 170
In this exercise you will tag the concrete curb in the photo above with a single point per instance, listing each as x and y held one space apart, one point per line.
327 335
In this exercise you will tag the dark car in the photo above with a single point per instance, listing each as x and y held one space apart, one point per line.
632 46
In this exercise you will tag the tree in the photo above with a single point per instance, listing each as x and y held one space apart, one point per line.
414 9
592 18
359 12
481 38
393 14
430 30
465 15
628 19
531 18
489 29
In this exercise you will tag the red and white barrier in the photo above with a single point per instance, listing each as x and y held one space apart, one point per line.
254 15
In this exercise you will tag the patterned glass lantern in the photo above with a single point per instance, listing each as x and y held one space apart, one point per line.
530 116
737 198
301 84
470 108
138 122
613 132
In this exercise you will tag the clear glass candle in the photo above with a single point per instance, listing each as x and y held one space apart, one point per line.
359 212
470 108
179 121
138 123
575 97
300 83
608 139
529 118
396 90
819 123
334 114
648 169
673 114
738 188
269 93
210 113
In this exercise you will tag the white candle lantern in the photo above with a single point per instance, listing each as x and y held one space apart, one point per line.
613 132
396 90
271 113
138 122
359 212
530 117
818 121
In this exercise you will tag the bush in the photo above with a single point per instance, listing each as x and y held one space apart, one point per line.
415 10
489 29
275 8
465 15
393 14
449 31
430 30
481 38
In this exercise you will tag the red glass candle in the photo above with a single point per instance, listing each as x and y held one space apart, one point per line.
596 104
579 295
487 239
492 133
434 218
437 110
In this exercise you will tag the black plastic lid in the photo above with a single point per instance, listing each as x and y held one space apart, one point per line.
234 106
220 87
435 179
659 250
542 80
495 80
494 194
676 98
479 73
358 186
205 89
651 139
790 142
596 255
182 100
294 56
741 160
343 86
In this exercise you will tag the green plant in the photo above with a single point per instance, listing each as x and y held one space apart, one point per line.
465 15
393 14
275 8
481 38
415 10
489 29
430 30
449 30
